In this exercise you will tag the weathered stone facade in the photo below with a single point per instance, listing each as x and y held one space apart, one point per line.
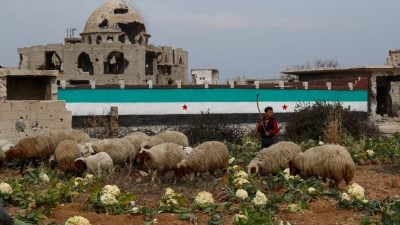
28 104
114 46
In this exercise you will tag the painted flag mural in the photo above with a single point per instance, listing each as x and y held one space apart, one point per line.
83 102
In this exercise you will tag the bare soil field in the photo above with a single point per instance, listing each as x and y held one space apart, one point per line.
379 181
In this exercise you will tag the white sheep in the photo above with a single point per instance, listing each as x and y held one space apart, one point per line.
95 164
327 161
161 158
136 139
166 137
121 151
59 136
209 156
274 158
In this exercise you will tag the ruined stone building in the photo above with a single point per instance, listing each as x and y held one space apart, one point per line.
113 47
383 82
28 104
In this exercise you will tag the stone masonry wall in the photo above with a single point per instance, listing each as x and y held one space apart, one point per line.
19 119
3 88
395 94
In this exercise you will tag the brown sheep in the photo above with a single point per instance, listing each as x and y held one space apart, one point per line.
327 161
31 148
274 158
66 153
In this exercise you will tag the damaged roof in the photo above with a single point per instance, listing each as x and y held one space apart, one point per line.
110 16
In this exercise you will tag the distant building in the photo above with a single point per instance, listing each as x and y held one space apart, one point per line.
114 46
200 76
393 58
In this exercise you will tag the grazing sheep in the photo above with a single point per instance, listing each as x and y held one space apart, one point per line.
60 136
88 140
5 219
31 148
166 137
86 149
136 139
95 164
66 153
161 158
207 157
327 161
274 158
121 151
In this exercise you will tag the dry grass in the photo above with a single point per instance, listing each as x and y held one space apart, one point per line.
334 130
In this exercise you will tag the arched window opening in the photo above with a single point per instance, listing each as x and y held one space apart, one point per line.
85 64
110 39
116 63
89 40
180 61
98 40
53 61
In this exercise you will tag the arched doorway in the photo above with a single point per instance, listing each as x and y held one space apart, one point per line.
115 63
53 61
84 63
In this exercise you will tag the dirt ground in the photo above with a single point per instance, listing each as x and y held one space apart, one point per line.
379 181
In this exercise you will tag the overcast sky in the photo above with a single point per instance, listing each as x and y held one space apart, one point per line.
255 38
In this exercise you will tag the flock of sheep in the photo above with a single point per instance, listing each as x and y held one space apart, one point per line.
75 151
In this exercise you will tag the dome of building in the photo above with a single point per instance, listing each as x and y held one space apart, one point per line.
115 18
110 16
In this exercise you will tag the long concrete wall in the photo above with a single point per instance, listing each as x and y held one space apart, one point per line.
19 119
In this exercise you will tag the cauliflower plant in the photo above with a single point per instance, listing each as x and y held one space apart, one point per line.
260 199
356 191
43 177
77 220
5 188
242 194
108 199
204 199
111 189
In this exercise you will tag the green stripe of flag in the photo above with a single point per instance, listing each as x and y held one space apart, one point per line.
206 95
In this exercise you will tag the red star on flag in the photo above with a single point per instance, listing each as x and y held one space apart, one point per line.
284 107
185 107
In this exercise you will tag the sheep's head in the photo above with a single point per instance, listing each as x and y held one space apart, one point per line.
145 145
80 164
293 168
89 147
252 168
52 162
143 156
188 150
14 153
182 168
